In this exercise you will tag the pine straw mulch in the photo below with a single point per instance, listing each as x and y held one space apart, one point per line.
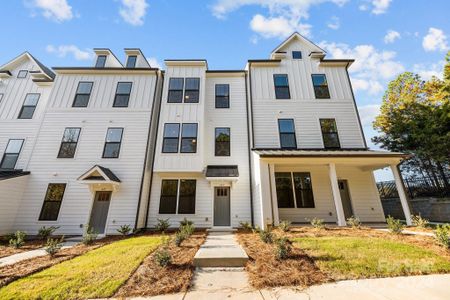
265 270
7 250
27 267
150 279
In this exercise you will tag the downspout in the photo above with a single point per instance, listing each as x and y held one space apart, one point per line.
249 151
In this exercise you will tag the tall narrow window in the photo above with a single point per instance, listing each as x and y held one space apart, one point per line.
285 195
192 90
112 143
297 54
11 154
294 190
286 128
29 106
131 61
177 196
171 137
175 90
186 199
69 143
330 134
123 92
22 74
320 86
168 199
222 96
52 202
281 86
101 61
303 190
222 145
189 138
83 94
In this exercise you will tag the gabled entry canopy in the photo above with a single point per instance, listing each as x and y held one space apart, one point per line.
100 179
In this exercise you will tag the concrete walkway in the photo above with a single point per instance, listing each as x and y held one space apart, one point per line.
406 231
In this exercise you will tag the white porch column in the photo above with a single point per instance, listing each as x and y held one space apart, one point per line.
276 215
336 195
401 194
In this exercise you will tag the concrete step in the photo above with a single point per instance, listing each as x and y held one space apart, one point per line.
221 229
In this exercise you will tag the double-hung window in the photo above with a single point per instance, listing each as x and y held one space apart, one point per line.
192 90
175 90
320 86
69 143
222 144
83 94
22 74
11 154
131 61
171 138
113 142
294 190
330 134
123 92
52 202
29 106
281 83
101 61
222 96
177 196
189 138
286 128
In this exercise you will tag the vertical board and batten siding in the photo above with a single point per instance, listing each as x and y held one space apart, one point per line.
11 191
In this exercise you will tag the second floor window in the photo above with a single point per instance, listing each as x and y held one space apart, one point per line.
281 86
222 96
131 61
112 143
101 61
320 86
189 138
286 128
69 143
52 202
29 106
175 90
192 90
11 154
171 137
83 94
222 142
329 133
123 92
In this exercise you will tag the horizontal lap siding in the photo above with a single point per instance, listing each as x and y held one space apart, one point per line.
11 191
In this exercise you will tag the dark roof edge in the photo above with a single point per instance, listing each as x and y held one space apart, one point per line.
13 174
112 69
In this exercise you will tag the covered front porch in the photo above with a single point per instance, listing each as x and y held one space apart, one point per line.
299 185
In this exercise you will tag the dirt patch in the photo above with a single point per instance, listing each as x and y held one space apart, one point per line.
265 270
150 279
6 250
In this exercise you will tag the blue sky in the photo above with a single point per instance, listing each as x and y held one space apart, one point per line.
385 37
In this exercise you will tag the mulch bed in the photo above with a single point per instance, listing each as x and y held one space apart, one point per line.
6 250
150 279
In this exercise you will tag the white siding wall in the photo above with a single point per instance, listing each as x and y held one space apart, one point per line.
11 191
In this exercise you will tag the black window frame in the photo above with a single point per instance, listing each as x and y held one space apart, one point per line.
22 71
97 62
46 201
221 98
112 143
171 138
16 154
171 91
77 93
186 208
163 198
127 65
278 89
317 92
194 139
186 98
115 104
280 133
177 205
295 52
331 133
296 194
24 106
216 152
70 144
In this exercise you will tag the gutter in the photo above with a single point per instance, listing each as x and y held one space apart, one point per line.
249 151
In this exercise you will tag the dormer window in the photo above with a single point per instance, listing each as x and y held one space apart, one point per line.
101 61
297 54
131 61
22 74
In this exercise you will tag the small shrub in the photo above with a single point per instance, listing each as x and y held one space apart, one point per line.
18 239
285 225
419 221
256 229
442 235
266 236
283 248
245 226
124 229
45 232
188 229
354 222
89 235
395 226
186 222
53 246
162 255
162 225
180 236
318 223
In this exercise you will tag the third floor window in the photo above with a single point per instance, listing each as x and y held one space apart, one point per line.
320 86
122 96
83 94
29 106
222 96
183 88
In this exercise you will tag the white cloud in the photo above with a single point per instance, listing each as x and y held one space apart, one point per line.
154 63
435 40
391 36
133 11
377 6
277 26
64 50
56 10
372 87
367 113
427 71
334 23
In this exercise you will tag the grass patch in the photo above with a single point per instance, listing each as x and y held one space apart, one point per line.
347 257
96 274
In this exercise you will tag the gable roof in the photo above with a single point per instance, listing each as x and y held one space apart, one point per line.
106 174
46 71
297 35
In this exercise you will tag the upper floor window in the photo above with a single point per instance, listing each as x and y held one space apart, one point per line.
222 144
29 106
175 200
171 137
329 133
101 61
281 86
222 96
22 74
189 138
297 54
294 190
11 154
112 143
175 90
192 90
131 61
69 143
83 94
286 128
320 86
123 92
52 202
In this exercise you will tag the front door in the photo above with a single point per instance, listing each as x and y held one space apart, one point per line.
100 211
345 198
222 206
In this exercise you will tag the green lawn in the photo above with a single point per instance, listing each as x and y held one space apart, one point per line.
357 257
98 273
